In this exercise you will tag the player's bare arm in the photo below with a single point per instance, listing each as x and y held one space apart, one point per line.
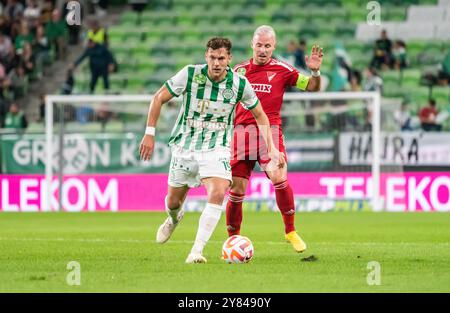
264 127
148 142
314 62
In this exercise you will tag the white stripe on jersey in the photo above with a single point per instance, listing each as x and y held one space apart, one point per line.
283 64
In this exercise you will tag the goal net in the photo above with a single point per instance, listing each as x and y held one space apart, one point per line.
333 140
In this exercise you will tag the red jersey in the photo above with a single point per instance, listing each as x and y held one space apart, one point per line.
426 113
269 82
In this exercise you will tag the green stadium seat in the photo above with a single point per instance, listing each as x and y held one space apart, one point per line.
242 18
76 127
272 6
431 55
410 79
360 63
281 17
165 64
318 15
354 47
419 97
35 127
358 14
256 3
128 17
346 30
413 48
308 31
329 4
128 66
114 126
351 3
135 83
160 50
117 81
145 67
396 13
160 5
442 95
390 77
185 21
327 33
338 16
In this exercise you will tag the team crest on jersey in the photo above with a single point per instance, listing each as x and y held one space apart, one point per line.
228 94
200 79
270 76
242 71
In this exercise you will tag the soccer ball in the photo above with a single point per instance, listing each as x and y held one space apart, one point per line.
237 249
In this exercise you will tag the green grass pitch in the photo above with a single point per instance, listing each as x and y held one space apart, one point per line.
117 253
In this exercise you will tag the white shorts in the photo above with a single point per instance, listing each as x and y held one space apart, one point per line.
188 168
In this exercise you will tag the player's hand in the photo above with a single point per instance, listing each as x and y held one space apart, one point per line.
146 147
314 61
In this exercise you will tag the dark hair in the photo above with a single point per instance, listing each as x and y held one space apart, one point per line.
432 102
373 70
401 43
219 42
356 74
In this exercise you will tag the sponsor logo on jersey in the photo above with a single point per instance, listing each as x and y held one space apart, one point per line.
242 71
262 88
200 79
214 126
228 94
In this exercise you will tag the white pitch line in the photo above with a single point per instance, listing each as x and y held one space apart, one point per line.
101 240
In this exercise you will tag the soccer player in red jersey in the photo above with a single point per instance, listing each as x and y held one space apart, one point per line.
269 78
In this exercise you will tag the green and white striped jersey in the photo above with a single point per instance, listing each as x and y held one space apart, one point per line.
205 121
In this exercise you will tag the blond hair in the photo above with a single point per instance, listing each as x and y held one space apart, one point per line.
265 29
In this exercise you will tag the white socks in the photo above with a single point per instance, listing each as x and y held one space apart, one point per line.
206 225
172 213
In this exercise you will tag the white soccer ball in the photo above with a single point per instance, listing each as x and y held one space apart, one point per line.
237 249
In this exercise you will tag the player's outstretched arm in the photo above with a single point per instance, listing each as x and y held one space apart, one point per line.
264 127
148 142
314 62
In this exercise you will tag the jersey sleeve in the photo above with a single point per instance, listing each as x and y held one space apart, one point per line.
177 84
249 100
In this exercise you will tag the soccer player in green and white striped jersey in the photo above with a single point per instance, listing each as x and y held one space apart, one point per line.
201 137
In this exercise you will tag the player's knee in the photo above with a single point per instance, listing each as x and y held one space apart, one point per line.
173 203
239 186
216 195
278 177
278 180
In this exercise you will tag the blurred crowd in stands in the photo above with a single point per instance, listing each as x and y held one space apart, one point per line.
33 34
388 55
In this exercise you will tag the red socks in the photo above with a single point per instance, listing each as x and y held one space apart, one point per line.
285 201
234 213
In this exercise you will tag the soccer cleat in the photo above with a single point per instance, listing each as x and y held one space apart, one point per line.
167 228
297 242
195 258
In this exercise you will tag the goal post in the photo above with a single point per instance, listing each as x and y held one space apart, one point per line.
371 99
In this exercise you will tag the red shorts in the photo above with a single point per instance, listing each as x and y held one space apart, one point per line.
249 147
